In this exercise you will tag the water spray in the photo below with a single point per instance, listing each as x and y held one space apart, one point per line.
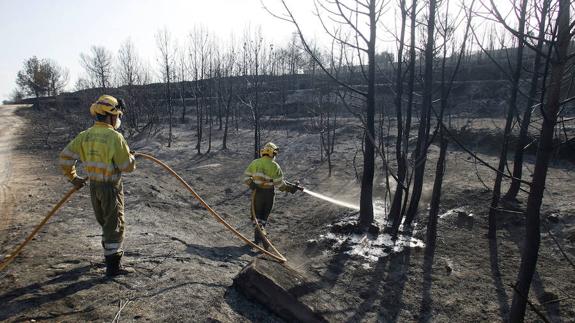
377 209
331 200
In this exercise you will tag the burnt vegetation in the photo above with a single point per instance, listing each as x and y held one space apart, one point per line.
448 71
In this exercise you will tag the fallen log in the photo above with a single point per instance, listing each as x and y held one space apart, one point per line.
280 288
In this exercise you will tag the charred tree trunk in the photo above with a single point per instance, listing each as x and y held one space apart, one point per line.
256 124
424 122
511 194
169 99
327 126
394 216
530 249
409 105
366 196
508 122
227 117
183 97
37 95
436 195
199 119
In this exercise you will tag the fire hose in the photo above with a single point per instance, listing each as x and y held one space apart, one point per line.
276 255
16 252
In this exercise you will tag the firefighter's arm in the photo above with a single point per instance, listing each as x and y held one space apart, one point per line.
282 184
248 179
123 158
68 158
279 181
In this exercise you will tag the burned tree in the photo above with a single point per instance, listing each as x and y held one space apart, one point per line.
166 61
252 71
182 79
511 110
395 214
98 64
420 156
129 75
511 194
550 109
226 89
361 19
198 53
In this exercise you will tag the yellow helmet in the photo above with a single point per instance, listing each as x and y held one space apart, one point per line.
106 104
270 149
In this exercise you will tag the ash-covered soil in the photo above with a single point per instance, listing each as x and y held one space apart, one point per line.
185 260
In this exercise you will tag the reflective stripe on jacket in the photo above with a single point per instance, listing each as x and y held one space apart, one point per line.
265 173
103 151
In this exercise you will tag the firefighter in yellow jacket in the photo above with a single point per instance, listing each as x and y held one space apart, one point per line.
262 176
104 154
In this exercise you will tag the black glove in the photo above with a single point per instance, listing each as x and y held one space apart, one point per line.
253 185
292 189
78 182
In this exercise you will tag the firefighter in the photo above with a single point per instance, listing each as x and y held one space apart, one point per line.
105 155
262 176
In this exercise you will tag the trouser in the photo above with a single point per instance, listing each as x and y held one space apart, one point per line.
108 204
262 204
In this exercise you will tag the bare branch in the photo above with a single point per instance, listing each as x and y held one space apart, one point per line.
493 60
494 11
314 57
337 38
350 23
351 9
370 137
472 154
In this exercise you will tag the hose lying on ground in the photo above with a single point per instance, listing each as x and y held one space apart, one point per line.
16 252
277 256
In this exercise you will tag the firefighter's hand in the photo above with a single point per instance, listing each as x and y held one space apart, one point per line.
253 186
292 188
78 182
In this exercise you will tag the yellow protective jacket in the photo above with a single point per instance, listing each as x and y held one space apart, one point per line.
265 173
103 151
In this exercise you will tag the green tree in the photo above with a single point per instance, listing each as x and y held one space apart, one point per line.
34 77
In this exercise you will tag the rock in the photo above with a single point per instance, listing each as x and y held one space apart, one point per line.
279 288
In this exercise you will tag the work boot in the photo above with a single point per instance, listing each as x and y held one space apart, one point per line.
257 237
114 266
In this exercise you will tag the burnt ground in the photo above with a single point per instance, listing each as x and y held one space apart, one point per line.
185 260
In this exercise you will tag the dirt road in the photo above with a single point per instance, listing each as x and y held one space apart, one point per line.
10 125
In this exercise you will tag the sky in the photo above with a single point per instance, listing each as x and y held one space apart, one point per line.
62 29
